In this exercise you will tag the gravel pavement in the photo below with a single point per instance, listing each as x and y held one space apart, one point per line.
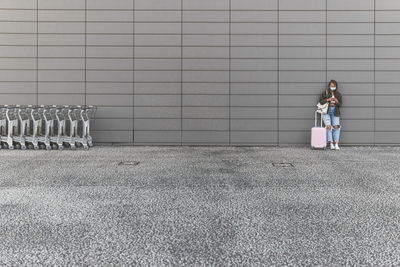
241 206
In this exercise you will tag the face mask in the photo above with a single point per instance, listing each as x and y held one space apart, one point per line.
333 88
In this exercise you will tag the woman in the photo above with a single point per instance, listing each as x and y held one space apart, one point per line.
334 98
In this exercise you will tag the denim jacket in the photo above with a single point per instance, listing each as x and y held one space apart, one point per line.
327 94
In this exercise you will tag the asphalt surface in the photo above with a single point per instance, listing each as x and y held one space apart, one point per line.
200 206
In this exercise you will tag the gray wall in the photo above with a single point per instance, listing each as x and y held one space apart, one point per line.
207 71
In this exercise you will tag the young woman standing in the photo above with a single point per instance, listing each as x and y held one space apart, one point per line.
334 98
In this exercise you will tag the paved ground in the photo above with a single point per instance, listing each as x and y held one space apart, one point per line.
200 205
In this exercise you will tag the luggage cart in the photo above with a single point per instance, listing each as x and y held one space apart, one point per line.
12 125
33 131
61 131
23 119
81 128
3 126
44 130
45 126
57 137
88 112
73 126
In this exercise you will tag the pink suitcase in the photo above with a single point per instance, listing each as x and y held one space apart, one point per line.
318 135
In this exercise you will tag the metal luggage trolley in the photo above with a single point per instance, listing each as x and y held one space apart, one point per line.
12 125
44 130
22 124
3 127
45 126
34 126
62 126
57 131
81 127
88 112
73 126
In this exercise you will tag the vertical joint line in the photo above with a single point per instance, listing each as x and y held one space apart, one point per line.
181 72
85 52
326 42
37 52
230 67
133 71
374 72
279 82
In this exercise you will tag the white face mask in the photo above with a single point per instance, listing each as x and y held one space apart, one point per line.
333 88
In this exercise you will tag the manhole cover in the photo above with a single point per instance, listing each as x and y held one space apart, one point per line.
128 163
283 165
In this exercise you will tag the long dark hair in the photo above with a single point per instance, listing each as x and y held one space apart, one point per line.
335 83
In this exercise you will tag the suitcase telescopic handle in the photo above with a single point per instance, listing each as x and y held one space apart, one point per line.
316 115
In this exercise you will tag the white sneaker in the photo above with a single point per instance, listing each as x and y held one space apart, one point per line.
337 146
332 146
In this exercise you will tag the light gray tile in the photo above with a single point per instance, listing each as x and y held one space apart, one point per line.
104 124
205 124
115 4
254 124
157 16
205 113
302 28
254 16
58 99
205 88
205 4
302 5
18 88
157 4
218 137
387 5
21 99
21 4
302 76
206 16
157 124
18 27
18 15
261 138
351 5
350 16
112 136
254 5
155 137
302 16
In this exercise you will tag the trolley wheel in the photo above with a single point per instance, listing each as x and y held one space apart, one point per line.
48 147
60 148
17 146
30 146
73 147
54 146
23 147
36 147
86 147
11 147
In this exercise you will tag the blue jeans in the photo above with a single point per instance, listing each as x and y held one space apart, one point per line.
331 120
